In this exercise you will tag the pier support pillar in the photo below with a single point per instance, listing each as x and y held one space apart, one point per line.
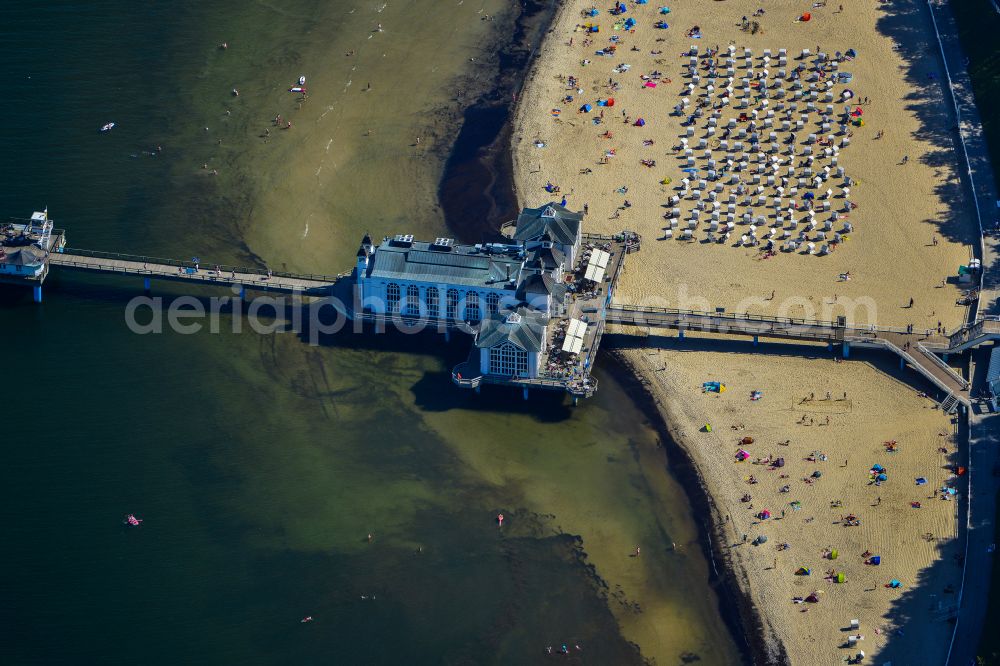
447 335
680 333
829 347
902 363
37 293
755 341
477 390
147 285
847 349
945 355
576 399
525 393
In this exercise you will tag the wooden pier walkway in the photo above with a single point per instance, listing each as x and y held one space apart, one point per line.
190 272
919 349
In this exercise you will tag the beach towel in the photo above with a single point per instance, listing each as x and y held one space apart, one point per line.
921 480
650 84
894 584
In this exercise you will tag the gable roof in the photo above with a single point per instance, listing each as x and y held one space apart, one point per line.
523 328
559 223
548 258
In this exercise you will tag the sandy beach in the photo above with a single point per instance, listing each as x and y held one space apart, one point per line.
897 263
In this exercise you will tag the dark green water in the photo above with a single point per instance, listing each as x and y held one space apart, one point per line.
260 464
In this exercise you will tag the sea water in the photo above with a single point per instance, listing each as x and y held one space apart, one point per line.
261 464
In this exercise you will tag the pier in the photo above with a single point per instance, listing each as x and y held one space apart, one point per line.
547 299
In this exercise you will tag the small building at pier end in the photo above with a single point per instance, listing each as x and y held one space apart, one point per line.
533 303
24 250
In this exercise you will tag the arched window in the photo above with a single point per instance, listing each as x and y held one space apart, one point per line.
433 306
492 303
473 312
451 304
412 301
508 360
392 297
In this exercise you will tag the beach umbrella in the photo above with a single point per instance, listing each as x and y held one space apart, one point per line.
878 468
882 477
805 17
764 515
921 480
875 560
839 578
611 101
640 122
759 540
817 474
664 10
780 462
894 583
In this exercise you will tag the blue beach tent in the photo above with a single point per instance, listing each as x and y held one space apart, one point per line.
629 23
586 108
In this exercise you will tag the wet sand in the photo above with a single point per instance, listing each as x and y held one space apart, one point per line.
912 229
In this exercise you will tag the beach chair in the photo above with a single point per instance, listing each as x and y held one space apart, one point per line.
687 235
855 625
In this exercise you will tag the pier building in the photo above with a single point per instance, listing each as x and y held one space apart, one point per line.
25 246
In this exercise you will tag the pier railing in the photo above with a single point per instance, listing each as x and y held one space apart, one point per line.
176 263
